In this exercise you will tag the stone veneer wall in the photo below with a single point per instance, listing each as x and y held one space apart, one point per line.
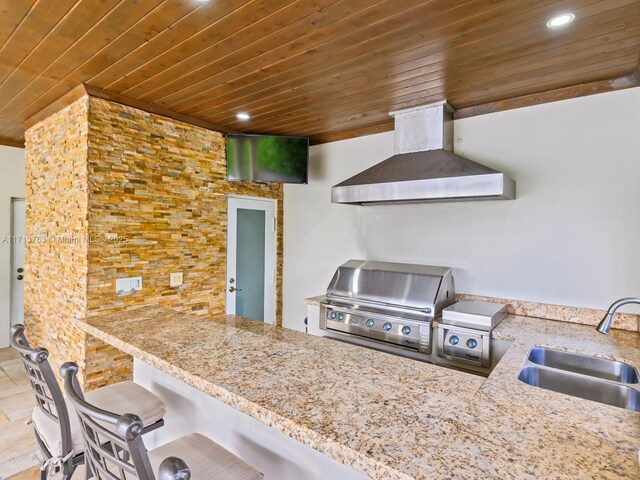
56 211
161 184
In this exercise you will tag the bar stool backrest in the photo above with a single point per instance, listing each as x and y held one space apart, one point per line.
114 447
45 386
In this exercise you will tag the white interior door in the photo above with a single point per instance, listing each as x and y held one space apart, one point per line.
251 258
17 260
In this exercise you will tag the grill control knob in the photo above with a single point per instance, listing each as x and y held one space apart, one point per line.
472 343
454 340
332 315
370 322
406 330
387 326
341 316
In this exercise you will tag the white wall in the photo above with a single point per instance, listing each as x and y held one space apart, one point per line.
11 185
572 236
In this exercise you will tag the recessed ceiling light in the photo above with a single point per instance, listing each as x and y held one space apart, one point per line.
561 20
243 116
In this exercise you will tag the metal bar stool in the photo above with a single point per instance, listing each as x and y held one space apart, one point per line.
115 451
57 432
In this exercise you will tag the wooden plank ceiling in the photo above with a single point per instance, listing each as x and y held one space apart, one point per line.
321 68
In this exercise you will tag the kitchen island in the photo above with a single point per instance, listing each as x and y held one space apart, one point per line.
390 417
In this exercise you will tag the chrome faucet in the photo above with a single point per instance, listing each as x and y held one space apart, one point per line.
605 323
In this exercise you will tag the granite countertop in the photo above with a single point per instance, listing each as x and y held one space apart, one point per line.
390 417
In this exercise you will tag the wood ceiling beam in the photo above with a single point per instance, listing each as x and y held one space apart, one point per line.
428 76
342 113
75 94
576 91
619 83
406 93
10 142
360 132
82 90
156 109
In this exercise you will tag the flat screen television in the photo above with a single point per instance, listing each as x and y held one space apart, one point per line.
266 158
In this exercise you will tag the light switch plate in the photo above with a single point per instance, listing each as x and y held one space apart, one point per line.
127 285
175 279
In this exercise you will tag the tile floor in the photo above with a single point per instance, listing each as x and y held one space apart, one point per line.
17 442
18 450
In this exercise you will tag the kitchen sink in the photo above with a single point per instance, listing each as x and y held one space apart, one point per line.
609 393
592 378
584 365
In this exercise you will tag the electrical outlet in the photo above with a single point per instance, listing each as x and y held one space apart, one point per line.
126 285
175 279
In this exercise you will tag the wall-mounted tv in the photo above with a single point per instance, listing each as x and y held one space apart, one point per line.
266 158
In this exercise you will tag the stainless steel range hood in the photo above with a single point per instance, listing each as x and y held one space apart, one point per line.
424 168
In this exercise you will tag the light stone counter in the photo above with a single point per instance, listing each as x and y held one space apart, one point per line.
390 417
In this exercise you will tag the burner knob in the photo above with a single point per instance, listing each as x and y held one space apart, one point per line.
454 340
387 326
341 316
370 322
332 315
472 343
406 330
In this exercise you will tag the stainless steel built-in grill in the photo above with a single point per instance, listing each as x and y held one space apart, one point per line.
389 303
392 307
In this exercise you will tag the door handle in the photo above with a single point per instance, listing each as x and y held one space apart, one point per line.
234 289
20 277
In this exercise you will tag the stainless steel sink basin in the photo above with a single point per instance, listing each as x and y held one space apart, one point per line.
592 378
589 388
584 365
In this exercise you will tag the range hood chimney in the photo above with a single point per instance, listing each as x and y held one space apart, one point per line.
424 167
